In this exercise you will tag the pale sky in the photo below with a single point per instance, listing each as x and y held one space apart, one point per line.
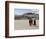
22 11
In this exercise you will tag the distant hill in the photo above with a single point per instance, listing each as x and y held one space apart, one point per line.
27 16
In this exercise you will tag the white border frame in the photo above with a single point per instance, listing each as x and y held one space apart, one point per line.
25 32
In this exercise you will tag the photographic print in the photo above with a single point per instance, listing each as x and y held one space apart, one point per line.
24 19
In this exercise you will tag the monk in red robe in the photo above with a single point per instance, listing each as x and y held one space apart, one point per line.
30 22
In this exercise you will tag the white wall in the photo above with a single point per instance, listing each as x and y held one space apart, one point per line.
2 20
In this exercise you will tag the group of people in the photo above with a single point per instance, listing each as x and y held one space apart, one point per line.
32 22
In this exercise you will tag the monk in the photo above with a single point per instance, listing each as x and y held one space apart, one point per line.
30 22
34 22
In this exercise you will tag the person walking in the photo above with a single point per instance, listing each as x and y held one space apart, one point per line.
34 22
30 22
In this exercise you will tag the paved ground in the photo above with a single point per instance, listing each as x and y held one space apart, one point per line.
24 25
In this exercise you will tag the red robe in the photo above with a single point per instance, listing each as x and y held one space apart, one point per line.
30 22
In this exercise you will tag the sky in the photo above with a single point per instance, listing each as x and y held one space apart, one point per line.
22 11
